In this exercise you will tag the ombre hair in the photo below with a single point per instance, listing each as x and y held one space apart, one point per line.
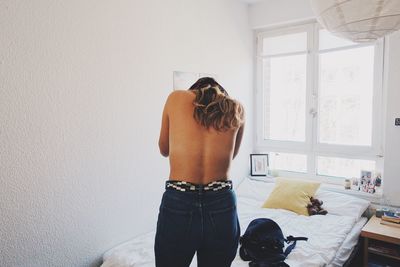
213 106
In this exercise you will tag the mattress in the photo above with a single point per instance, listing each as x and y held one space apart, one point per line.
331 238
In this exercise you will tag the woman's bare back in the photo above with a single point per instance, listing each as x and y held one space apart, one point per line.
197 154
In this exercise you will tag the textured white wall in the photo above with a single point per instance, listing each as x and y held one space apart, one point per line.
82 86
275 12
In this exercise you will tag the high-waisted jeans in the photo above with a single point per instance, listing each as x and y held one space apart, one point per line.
202 222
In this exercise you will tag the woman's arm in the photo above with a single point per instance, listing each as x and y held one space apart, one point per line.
239 134
163 142
238 141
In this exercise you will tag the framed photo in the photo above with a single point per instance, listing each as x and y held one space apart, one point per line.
259 164
182 80
366 177
378 179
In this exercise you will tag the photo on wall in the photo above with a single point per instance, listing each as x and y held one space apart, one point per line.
182 80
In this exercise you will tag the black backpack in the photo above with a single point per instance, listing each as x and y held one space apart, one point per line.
263 244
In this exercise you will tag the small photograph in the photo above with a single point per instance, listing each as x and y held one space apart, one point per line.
355 183
368 182
367 174
378 180
259 164
371 189
366 177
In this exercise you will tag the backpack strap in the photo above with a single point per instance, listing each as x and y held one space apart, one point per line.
291 246
292 238
262 263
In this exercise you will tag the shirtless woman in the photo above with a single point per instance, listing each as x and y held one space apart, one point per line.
201 133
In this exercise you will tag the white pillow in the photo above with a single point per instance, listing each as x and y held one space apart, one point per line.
342 204
253 189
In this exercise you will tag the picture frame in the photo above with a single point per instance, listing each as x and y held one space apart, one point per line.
365 176
183 80
259 164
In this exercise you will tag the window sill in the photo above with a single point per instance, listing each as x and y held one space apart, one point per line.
374 198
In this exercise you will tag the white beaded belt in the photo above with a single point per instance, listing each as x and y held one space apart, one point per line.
187 186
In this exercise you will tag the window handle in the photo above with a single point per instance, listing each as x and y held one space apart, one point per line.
313 112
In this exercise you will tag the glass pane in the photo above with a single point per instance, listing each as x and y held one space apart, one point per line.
285 98
288 162
295 42
327 40
346 97
342 167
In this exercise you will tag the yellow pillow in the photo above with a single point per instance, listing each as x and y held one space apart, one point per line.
293 195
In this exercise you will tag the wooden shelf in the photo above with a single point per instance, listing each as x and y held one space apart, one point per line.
381 240
384 249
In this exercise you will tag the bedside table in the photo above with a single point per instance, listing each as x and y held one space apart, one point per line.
382 240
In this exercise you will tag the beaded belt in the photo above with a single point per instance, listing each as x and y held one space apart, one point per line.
187 186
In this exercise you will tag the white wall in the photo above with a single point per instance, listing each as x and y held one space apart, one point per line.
280 12
82 87
272 12
392 135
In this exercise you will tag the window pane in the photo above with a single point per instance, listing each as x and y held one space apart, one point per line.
327 40
285 98
288 162
342 167
296 42
346 97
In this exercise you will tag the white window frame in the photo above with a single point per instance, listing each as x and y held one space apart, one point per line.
311 148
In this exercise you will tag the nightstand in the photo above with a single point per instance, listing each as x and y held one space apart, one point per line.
382 240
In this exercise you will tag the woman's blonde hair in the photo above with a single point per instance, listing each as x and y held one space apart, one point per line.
213 106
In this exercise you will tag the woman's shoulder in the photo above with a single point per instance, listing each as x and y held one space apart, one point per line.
178 97
181 94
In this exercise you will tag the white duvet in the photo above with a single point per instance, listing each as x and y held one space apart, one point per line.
325 233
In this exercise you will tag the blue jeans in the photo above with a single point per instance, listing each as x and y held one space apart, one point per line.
202 222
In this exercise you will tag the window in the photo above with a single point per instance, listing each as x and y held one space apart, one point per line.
318 102
285 98
345 96
289 162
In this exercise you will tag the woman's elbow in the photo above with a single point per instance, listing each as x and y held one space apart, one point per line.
234 154
164 153
164 149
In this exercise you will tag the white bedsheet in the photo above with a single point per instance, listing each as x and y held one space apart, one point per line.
326 245
348 244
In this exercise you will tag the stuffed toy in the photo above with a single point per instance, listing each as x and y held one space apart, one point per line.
314 208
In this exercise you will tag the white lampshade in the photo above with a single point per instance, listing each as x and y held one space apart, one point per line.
358 20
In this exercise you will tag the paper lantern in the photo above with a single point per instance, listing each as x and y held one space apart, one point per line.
358 20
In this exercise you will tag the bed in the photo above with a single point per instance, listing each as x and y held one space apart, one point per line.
332 241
